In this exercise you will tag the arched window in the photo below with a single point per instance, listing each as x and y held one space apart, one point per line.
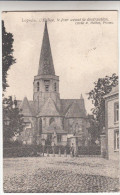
51 120
38 86
63 123
47 84
40 126
55 87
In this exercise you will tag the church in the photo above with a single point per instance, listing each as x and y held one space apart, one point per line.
48 118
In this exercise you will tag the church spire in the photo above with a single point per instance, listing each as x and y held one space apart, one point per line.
46 66
81 97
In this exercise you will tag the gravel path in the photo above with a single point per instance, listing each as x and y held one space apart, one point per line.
60 174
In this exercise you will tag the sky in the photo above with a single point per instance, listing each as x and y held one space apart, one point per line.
84 48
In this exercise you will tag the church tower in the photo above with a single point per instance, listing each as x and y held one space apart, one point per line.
46 83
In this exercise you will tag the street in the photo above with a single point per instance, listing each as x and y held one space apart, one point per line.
60 174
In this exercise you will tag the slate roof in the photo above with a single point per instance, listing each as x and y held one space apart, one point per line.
65 104
75 111
26 108
69 108
49 109
30 104
46 66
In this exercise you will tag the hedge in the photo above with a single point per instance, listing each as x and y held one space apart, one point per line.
35 150
89 150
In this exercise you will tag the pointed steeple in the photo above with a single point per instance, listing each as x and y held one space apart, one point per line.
82 103
26 110
81 97
46 66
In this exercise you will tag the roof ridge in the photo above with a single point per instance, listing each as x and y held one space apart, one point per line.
45 105
68 108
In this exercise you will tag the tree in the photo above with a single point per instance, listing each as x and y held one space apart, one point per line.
102 87
93 129
12 119
7 54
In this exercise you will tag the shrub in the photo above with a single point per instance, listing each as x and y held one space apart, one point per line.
89 150
22 151
32 150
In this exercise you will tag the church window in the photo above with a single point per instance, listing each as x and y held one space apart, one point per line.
51 120
116 140
116 112
38 87
49 137
28 125
55 86
27 132
59 138
76 127
47 83
80 128
47 88
63 123
40 126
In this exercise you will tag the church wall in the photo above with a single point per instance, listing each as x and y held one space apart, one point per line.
63 141
46 122
29 130
64 138
44 136
78 125
74 125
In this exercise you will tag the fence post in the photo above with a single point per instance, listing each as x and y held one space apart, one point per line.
65 153
47 151
43 150
59 152
71 153
53 151
43 144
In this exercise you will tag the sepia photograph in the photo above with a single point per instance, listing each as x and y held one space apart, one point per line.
60 101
